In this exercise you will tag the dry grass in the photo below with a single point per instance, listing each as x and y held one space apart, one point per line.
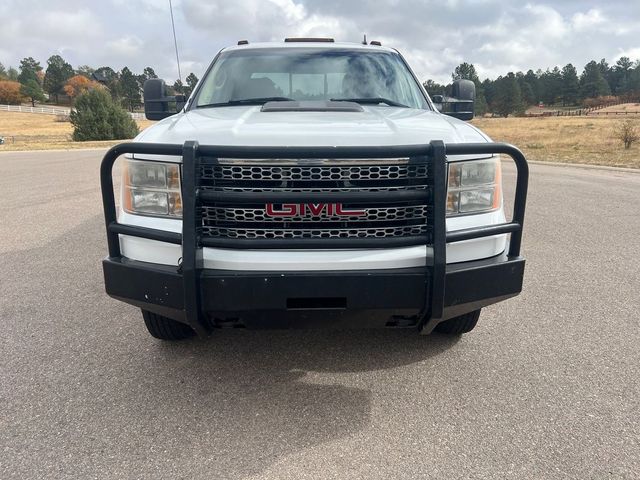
624 107
589 140
30 131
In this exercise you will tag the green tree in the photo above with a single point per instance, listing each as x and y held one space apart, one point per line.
108 77
33 91
179 88
12 74
526 90
508 97
130 89
3 73
552 85
29 70
532 79
488 87
97 117
192 81
56 76
85 71
435 88
146 74
592 82
570 85
622 71
607 72
466 71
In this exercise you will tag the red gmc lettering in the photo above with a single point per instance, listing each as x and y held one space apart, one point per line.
288 210
314 209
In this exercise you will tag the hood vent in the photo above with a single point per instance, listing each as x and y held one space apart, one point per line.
311 106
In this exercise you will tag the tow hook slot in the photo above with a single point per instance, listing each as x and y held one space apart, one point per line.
317 303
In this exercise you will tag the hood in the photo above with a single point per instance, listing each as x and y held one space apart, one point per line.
247 125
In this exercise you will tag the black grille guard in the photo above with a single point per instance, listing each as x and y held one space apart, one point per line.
433 154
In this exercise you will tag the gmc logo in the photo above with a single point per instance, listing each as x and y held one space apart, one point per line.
314 209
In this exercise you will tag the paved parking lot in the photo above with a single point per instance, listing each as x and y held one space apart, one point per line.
547 386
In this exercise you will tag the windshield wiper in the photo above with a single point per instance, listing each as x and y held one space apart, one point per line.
247 101
371 100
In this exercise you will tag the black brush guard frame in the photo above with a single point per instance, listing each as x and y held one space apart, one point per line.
434 154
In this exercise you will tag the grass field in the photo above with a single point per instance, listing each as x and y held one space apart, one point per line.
587 140
31 131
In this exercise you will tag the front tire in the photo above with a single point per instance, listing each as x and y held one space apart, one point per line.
165 328
459 325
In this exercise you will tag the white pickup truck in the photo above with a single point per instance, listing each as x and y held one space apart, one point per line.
311 183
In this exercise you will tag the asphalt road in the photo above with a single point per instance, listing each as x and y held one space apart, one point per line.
547 386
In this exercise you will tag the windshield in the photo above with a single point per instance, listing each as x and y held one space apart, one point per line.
255 76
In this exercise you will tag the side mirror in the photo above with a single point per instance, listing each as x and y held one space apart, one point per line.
157 105
464 95
438 102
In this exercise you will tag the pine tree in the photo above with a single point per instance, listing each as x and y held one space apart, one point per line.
33 91
508 98
570 85
29 70
56 76
592 83
97 117
192 81
130 89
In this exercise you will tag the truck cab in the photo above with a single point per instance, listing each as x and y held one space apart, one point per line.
310 183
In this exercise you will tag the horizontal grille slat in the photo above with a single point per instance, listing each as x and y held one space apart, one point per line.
313 173
299 233
392 201
212 215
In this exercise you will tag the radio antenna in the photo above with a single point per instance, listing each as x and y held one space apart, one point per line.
175 41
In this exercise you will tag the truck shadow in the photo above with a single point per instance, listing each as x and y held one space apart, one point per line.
259 396
230 406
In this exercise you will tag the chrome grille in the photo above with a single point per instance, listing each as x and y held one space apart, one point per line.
213 215
313 173
382 218
297 233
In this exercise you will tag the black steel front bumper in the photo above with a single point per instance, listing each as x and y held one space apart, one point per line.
295 299
420 297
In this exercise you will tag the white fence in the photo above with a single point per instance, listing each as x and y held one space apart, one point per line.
51 110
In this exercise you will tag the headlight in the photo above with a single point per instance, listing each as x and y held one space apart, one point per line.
474 186
151 188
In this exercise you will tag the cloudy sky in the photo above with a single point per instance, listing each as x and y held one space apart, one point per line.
496 35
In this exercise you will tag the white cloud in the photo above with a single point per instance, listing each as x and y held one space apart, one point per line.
583 21
127 46
632 53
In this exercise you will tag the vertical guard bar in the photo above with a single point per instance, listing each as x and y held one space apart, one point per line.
108 202
191 251
520 200
439 175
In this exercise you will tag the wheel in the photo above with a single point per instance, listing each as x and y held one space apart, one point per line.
459 325
165 328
